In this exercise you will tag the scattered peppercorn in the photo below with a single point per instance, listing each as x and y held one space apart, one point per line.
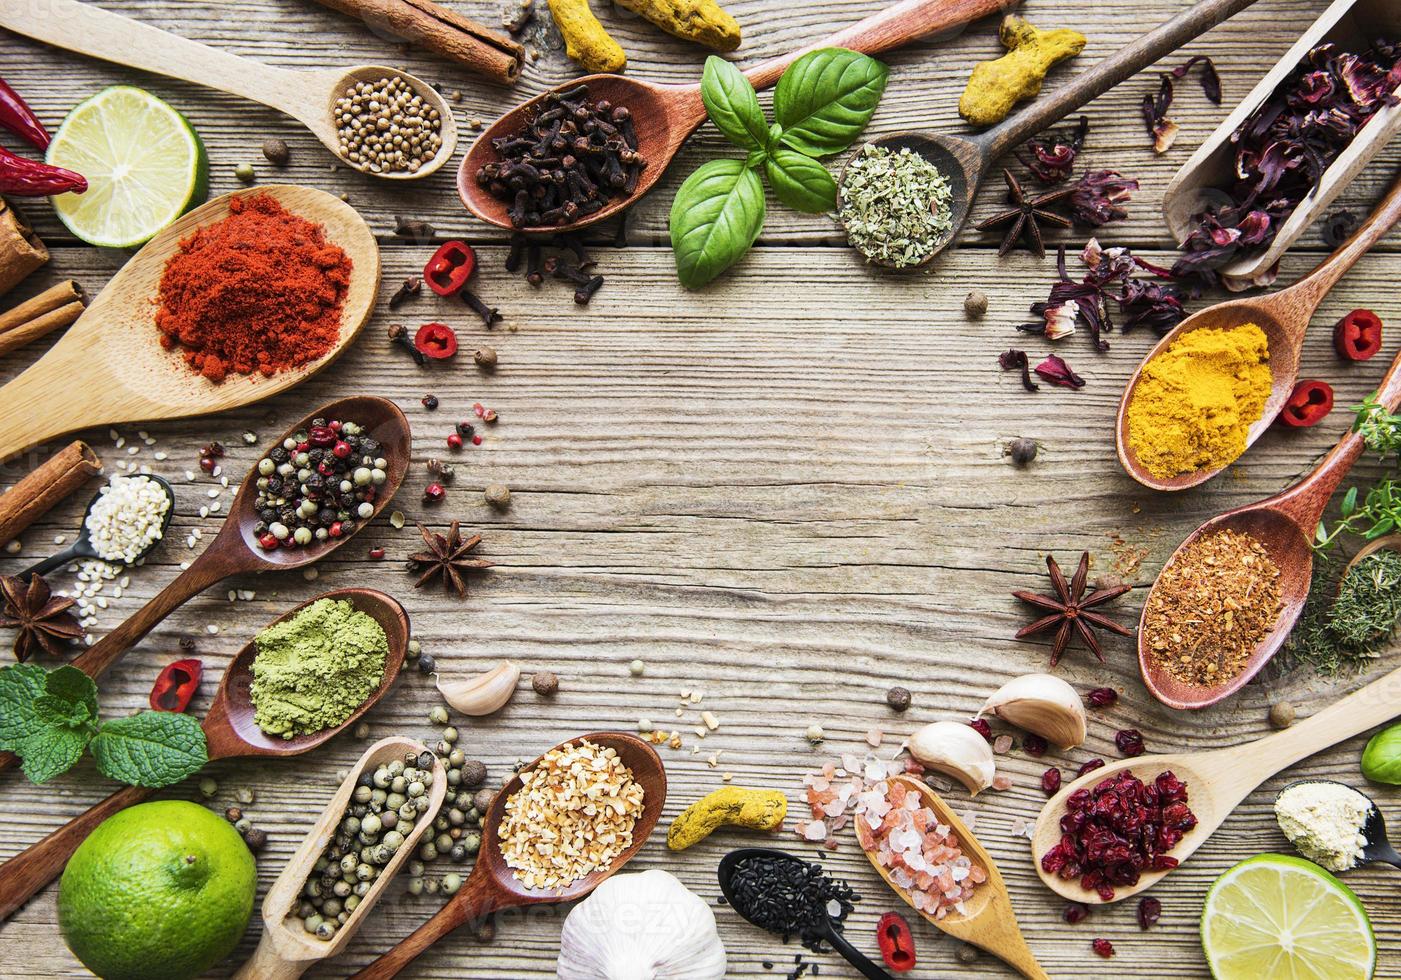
429 402
482 801
966 953
233 814
276 152
498 495
1281 714
433 493
426 663
244 172
440 471
1022 451
898 698
377 553
545 683
454 441
256 839
485 358
975 304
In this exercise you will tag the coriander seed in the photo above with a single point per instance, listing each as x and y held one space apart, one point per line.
975 304
545 683
498 495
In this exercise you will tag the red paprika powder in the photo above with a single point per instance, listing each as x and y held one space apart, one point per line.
259 290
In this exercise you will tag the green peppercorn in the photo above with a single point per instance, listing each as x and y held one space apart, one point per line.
473 843
451 883
450 735
208 787
416 885
244 172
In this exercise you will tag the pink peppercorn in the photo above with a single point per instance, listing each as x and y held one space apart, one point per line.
476 440
376 553
1103 947
454 441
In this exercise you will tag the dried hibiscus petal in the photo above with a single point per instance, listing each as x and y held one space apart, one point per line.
1052 157
1057 372
1014 359
1097 196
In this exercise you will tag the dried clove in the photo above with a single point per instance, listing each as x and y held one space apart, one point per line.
414 229
534 263
575 244
584 293
489 314
410 287
399 334
513 258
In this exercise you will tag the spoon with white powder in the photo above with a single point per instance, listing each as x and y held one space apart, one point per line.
1334 825
125 520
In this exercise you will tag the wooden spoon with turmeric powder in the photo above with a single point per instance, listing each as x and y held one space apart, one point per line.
1283 317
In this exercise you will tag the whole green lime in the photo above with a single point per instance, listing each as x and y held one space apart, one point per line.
161 891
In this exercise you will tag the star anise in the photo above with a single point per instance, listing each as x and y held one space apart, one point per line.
446 557
1024 215
1071 610
43 620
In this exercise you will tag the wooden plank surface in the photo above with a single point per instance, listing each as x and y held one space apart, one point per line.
787 492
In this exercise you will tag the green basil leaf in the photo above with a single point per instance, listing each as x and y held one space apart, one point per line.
20 686
801 182
732 105
51 752
150 748
825 99
717 214
1381 759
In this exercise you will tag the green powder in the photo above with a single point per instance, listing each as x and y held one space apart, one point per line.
312 671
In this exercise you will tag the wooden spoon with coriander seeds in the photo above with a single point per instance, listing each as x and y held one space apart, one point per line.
1285 525
229 732
965 161
665 115
235 549
307 96
1219 779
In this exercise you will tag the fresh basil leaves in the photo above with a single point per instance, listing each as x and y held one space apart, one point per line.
823 102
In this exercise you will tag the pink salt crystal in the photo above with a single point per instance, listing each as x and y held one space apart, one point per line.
873 737
1000 782
1001 744
817 830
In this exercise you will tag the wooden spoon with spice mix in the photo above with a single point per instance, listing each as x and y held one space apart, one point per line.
665 115
229 731
966 160
1283 316
492 886
1285 525
988 921
235 549
307 96
109 367
1219 779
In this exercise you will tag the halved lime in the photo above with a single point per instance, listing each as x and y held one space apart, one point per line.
145 167
1275 917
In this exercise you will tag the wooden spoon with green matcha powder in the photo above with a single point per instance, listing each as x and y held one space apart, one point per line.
1283 316
230 732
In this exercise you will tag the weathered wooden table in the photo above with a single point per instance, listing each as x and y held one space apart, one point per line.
787 492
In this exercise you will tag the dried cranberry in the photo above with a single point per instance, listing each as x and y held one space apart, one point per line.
981 726
1050 781
1089 767
1129 742
1075 912
1103 697
1150 910
1035 745
436 340
1103 947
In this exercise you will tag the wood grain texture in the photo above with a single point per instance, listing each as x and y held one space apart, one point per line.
787 492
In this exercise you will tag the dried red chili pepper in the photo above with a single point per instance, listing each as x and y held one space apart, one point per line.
20 177
436 340
18 118
1358 336
176 685
450 268
1307 405
897 943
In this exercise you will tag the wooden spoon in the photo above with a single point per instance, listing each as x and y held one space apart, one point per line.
492 886
1218 780
235 549
230 732
307 96
109 367
1285 525
665 115
1283 316
988 922
966 160
287 950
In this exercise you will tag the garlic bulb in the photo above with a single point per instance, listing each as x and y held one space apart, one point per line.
483 694
956 750
1043 704
644 926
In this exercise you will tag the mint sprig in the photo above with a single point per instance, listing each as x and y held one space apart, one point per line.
150 748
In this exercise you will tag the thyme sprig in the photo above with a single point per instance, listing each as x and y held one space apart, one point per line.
1379 512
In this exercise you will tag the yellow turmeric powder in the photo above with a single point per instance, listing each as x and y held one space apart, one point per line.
757 809
996 86
1196 401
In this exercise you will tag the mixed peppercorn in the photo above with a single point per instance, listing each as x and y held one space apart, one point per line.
318 484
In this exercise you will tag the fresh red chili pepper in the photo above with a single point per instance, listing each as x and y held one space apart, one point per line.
897 944
18 118
1307 404
436 340
1358 335
30 178
450 268
176 685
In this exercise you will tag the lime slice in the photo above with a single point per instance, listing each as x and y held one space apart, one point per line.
144 164
1274 917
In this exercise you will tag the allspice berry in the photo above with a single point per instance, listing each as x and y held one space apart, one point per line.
276 151
482 801
256 839
898 698
966 954
485 358
1022 451
545 683
975 304
473 773
498 495
1282 714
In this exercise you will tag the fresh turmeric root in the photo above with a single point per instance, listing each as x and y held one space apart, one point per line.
585 39
757 809
996 86
701 21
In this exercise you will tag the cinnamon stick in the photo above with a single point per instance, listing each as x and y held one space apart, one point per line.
37 493
57 306
476 47
21 251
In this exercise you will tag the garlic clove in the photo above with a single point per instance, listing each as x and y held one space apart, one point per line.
956 750
484 693
1043 704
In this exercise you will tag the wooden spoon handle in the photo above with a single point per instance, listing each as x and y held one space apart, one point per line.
267 963
90 30
892 27
1309 291
479 898
33 868
1104 75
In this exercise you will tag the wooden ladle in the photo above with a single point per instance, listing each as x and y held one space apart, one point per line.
665 115
1219 779
230 732
109 367
966 160
492 886
307 96
988 922
287 950
235 549
1285 525
1283 316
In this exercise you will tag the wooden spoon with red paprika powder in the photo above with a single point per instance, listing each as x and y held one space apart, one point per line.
109 368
